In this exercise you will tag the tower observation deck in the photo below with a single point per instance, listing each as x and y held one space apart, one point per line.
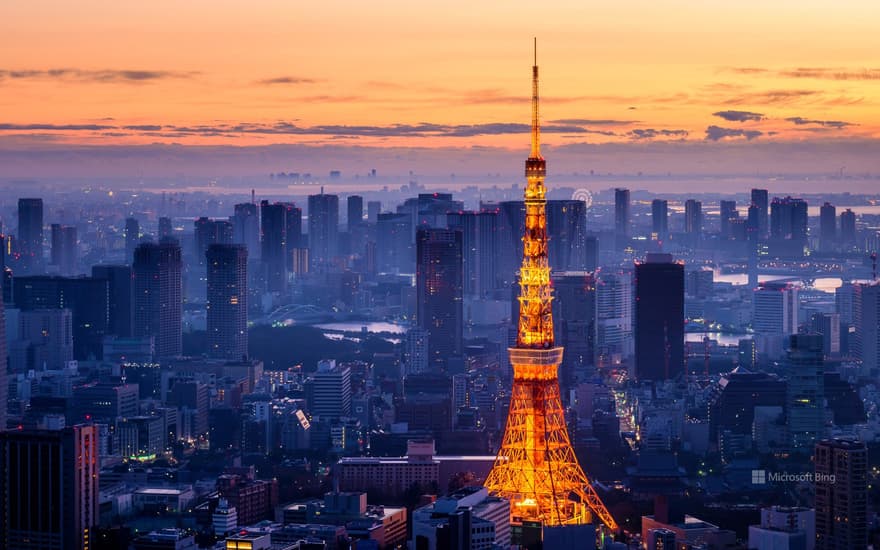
536 468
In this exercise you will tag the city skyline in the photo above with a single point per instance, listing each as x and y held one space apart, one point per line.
626 85
290 286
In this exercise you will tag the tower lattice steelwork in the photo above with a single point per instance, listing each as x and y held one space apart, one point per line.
536 468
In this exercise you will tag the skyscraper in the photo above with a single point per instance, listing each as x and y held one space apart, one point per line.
574 321
355 212
567 231
775 308
44 340
373 210
165 228
788 219
30 236
805 402
293 233
273 236
49 488
614 316
121 292
158 305
659 318
55 252
841 482
86 297
132 238
866 318
329 390
761 201
227 301
693 220
848 228
621 215
480 241
323 229
246 228
64 251
208 232
827 226
659 219
394 250
4 383
439 292
727 213
536 468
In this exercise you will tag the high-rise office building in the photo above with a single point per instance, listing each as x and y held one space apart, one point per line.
4 383
355 204
293 234
805 401
208 232
727 213
848 228
574 321
49 489
828 325
273 237
567 231
165 228
246 228
394 249
480 241
323 229
775 308
44 340
373 210
64 249
614 316
841 483
693 220
227 301
158 305
30 236
86 297
827 227
55 252
788 219
659 219
659 318
866 319
104 402
621 215
439 292
329 390
132 237
121 292
761 202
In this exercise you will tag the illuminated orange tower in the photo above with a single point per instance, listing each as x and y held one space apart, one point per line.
536 468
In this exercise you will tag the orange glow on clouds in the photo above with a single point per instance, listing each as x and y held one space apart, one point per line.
226 72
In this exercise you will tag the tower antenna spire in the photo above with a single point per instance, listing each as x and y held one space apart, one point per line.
536 125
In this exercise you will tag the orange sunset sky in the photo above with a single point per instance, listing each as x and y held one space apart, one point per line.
436 74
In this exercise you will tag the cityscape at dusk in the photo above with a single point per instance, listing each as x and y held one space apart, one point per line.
396 275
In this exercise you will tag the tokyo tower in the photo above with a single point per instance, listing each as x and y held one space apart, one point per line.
536 468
